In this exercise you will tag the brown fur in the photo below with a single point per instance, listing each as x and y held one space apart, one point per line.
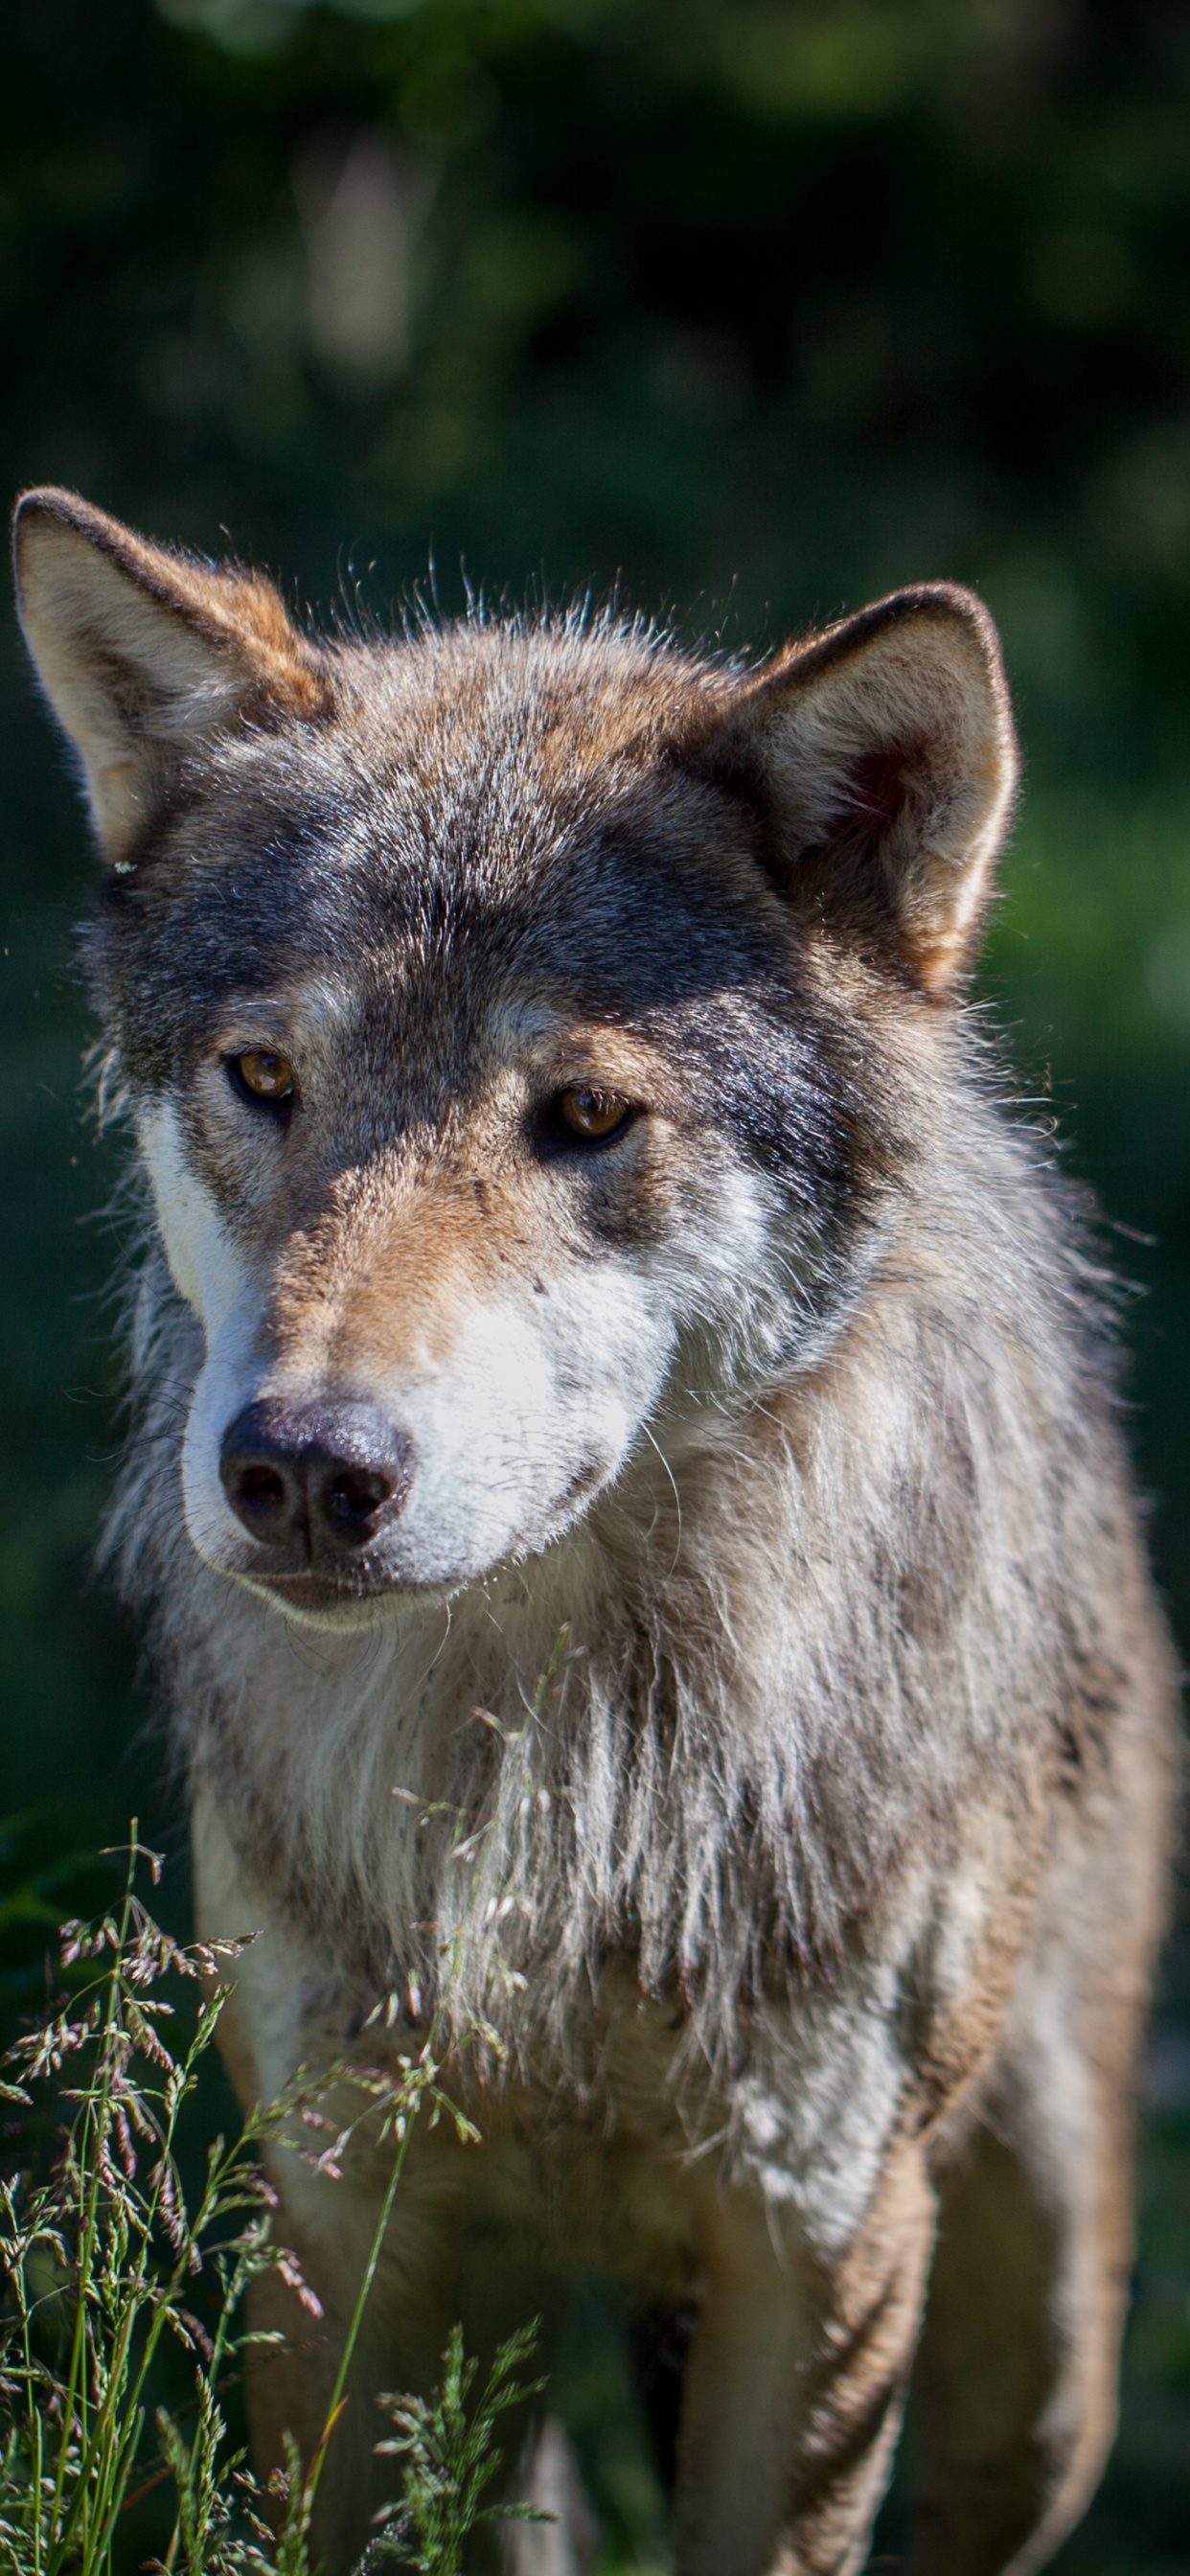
810 1899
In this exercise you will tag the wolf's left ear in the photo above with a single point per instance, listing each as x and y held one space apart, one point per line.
141 652
883 757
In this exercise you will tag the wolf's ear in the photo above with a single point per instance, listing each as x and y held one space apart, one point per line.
141 652
883 756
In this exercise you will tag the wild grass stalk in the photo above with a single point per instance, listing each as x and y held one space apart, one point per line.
106 2260
451 2459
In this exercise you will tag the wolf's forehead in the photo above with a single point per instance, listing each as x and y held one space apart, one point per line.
479 800
461 869
443 851
475 758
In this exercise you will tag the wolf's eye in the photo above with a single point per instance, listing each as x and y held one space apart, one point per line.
262 1075
591 1117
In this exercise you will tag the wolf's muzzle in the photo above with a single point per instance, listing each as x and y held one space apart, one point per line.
314 1483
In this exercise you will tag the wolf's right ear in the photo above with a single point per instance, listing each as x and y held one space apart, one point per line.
142 652
882 757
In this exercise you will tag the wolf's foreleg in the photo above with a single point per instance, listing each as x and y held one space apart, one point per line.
1015 2400
1015 2392
795 2387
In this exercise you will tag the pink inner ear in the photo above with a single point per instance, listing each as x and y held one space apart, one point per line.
882 779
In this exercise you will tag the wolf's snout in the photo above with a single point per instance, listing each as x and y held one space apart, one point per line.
315 1481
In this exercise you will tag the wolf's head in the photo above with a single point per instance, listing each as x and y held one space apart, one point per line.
507 1014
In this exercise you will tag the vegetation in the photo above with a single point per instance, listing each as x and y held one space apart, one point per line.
756 307
451 2459
104 2257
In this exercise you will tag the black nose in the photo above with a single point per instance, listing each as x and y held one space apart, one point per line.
314 1481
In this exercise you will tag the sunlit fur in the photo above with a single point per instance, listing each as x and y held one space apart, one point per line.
758 1700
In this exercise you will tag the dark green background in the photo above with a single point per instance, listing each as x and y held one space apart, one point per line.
751 311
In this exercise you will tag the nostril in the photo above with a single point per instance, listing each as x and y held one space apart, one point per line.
260 1466
260 1491
358 1475
356 1495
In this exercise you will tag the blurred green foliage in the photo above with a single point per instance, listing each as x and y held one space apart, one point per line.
753 308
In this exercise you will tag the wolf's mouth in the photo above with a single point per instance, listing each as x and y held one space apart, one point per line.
339 1600
357 1585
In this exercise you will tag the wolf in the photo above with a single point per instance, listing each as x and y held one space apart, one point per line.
628 1493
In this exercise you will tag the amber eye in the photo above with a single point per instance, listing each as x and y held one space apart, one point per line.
263 1075
591 1117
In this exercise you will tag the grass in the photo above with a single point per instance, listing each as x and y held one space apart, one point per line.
108 2258
451 2459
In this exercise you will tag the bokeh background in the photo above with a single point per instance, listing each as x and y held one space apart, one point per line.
748 310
